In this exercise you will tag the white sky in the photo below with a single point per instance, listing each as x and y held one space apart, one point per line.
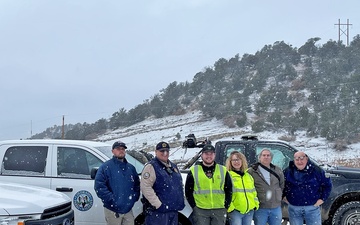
87 59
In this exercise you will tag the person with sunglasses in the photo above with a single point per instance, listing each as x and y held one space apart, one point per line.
117 184
162 188
306 188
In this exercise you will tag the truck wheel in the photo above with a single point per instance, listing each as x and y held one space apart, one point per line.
347 214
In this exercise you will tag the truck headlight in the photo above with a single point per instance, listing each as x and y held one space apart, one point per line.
17 220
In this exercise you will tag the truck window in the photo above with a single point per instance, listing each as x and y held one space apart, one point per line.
25 160
230 148
282 154
75 162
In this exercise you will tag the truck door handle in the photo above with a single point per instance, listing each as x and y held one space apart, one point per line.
64 189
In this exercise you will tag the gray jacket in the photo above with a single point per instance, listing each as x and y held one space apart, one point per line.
268 199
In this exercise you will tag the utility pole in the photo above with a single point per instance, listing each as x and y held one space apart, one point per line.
344 31
63 130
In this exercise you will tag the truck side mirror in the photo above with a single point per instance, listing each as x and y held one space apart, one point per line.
93 172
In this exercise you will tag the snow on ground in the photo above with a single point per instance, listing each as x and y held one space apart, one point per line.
146 134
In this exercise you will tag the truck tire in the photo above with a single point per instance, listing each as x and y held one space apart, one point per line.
349 213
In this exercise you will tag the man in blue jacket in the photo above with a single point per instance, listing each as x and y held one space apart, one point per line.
306 188
117 184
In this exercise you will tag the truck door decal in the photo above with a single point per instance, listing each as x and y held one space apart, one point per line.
83 200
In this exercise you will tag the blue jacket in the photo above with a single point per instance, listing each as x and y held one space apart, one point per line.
305 187
117 184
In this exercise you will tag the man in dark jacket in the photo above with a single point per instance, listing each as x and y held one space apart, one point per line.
306 188
117 184
162 187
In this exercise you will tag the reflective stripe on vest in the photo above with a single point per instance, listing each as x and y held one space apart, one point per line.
244 190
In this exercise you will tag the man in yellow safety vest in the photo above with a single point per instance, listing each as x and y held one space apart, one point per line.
208 189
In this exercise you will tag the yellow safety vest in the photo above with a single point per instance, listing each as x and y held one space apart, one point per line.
244 196
209 192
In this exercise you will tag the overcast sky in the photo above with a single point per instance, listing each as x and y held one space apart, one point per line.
87 59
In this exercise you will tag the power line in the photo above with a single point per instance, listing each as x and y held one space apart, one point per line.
342 31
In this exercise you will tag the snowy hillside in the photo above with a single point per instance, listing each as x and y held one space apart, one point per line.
173 129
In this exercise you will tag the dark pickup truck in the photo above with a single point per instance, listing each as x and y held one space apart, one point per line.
343 205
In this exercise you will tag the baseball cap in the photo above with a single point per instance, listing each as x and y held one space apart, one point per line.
162 146
208 148
119 144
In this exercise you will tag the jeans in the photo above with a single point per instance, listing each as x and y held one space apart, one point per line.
236 218
310 214
268 216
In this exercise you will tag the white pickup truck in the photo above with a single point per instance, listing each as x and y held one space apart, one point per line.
65 166
30 205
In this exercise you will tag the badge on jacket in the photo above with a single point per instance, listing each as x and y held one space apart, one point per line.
146 175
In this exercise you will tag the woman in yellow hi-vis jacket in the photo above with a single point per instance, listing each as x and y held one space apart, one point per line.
244 197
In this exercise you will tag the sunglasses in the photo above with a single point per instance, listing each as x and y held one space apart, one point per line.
300 158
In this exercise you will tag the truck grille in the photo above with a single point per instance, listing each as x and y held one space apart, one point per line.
56 211
59 215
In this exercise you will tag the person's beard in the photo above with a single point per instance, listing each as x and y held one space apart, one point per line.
120 157
206 163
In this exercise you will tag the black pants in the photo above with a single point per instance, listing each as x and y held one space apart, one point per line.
209 216
155 218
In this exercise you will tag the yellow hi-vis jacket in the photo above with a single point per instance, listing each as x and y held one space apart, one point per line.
209 192
244 196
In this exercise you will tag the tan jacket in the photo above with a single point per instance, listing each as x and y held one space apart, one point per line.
268 199
148 177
